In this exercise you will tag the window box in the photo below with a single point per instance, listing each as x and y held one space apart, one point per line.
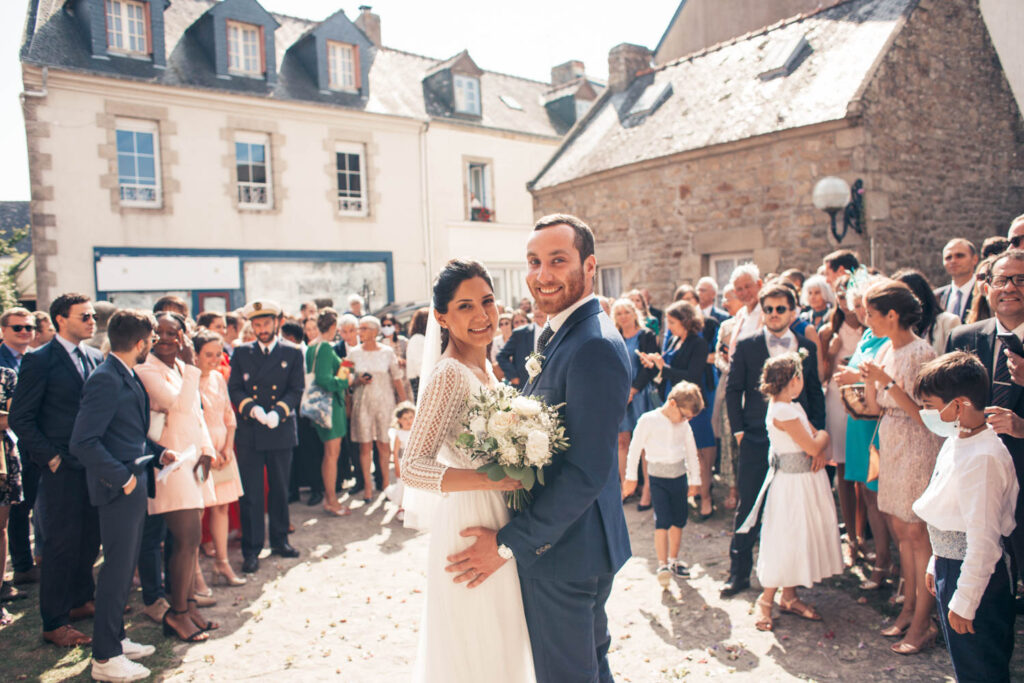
481 213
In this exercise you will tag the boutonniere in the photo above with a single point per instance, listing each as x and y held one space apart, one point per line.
802 352
534 364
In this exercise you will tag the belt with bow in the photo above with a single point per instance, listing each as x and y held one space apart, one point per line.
790 463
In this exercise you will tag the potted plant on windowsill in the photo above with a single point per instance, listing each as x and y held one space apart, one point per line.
481 213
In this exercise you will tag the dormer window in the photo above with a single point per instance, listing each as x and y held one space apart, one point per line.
467 95
127 26
245 49
342 66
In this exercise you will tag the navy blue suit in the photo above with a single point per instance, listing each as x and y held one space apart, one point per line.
572 539
7 358
512 355
43 414
273 382
18 524
719 314
747 411
108 439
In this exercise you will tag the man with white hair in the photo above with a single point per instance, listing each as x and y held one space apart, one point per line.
746 284
348 326
707 292
355 305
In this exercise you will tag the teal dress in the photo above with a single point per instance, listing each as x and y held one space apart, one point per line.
327 364
859 432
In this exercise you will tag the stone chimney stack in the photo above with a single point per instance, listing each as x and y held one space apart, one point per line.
369 23
624 61
566 73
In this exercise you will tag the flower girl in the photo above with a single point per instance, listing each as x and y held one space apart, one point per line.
799 529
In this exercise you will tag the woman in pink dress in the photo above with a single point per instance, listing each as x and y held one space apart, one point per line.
220 422
172 382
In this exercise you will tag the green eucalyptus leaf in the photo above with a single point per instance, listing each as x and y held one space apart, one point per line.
529 479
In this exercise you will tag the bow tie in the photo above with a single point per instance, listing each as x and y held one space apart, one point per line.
782 342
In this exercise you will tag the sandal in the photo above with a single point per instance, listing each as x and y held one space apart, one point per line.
338 511
5 617
764 622
894 631
878 578
799 608
905 648
199 636
208 626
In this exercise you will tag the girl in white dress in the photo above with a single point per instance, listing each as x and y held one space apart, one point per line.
799 529
474 630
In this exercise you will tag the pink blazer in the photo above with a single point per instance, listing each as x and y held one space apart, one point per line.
177 395
220 416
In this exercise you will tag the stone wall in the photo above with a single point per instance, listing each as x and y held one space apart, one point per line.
945 141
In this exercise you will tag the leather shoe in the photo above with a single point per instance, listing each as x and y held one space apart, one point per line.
315 499
86 611
733 587
66 636
285 550
31 576
251 565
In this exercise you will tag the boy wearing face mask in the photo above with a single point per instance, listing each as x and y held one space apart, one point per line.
664 434
968 506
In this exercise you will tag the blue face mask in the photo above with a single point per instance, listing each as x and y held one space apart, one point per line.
936 425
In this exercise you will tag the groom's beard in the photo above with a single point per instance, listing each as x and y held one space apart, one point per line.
572 291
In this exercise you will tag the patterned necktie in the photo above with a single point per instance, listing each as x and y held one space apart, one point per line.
86 367
545 336
1001 381
958 299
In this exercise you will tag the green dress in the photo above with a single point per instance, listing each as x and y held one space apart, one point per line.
860 434
327 364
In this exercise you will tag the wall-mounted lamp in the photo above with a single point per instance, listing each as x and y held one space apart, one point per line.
832 195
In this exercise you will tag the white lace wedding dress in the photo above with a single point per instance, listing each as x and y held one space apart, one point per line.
467 635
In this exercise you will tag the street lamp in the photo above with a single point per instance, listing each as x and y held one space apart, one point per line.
832 195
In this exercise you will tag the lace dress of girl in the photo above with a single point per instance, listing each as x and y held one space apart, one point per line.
467 634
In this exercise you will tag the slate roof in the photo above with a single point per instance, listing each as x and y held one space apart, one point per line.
54 38
718 97
15 216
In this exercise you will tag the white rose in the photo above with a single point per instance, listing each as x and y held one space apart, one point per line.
527 407
538 449
478 425
507 452
500 423
533 367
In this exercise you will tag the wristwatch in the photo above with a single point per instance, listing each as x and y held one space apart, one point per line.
505 552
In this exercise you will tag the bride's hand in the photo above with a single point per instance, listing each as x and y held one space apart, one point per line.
504 484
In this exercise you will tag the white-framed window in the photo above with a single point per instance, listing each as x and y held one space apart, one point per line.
342 66
245 49
610 281
722 265
138 162
350 164
252 165
127 29
509 283
467 95
478 186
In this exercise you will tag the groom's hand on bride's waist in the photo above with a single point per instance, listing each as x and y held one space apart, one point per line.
477 562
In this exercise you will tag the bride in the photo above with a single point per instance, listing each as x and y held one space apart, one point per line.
467 634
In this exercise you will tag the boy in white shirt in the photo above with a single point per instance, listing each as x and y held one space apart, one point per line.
968 506
665 436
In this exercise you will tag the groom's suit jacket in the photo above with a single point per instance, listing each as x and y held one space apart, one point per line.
575 529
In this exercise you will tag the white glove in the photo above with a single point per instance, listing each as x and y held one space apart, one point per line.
273 419
258 414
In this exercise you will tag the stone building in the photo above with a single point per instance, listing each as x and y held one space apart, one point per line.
219 152
690 167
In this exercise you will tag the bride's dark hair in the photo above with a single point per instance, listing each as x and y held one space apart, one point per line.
454 273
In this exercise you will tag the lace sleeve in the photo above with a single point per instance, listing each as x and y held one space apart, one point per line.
441 405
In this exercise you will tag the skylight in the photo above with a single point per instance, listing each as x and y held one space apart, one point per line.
652 98
511 102
785 58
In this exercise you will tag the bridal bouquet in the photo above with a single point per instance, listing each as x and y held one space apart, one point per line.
514 436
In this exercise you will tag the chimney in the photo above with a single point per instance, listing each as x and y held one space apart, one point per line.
369 23
624 61
566 73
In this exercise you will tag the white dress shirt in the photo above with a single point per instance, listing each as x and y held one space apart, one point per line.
556 321
973 490
73 350
952 304
670 447
749 320
774 350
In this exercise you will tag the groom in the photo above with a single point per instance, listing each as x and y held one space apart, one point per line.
572 539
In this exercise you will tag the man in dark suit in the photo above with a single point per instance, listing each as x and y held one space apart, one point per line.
109 440
960 258
707 292
572 539
266 383
1005 293
42 416
747 409
513 354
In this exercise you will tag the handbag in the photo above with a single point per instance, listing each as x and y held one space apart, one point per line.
855 401
223 475
157 420
317 403
873 456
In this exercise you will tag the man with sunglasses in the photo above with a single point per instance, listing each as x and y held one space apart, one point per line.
19 327
747 410
43 413
992 342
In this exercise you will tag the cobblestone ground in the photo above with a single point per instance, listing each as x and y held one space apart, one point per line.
350 608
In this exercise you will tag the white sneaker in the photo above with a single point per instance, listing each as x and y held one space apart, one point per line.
133 650
118 669
664 575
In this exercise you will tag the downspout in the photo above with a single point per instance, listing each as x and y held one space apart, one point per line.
428 236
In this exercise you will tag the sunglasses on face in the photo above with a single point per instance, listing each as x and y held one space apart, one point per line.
86 317
23 328
775 309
